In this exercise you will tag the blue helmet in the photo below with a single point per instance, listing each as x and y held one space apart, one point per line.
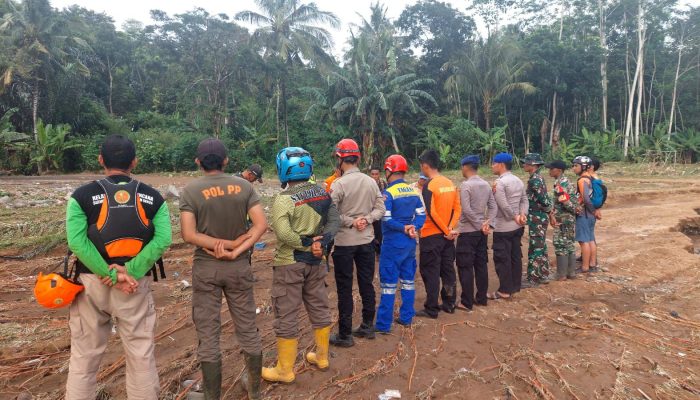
294 164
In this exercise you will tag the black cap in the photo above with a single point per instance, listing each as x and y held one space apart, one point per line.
118 151
211 146
559 164
256 170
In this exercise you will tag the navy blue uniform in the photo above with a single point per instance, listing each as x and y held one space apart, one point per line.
397 261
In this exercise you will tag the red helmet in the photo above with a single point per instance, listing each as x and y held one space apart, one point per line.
396 163
347 148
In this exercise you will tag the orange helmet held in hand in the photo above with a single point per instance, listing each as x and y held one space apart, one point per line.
396 163
55 291
347 148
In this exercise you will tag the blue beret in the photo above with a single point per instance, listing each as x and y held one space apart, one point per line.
471 159
502 158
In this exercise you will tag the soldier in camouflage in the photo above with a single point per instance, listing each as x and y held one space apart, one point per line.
537 221
565 199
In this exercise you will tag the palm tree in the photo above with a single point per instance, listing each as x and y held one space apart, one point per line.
487 73
289 33
322 101
372 97
38 45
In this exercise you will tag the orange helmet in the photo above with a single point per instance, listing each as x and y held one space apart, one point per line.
55 291
396 163
347 148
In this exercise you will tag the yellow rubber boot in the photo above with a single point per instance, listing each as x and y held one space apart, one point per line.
286 355
320 357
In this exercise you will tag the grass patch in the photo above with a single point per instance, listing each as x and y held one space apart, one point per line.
32 231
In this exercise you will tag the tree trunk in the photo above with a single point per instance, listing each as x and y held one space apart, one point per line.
675 88
543 133
393 142
647 127
284 111
630 120
641 37
35 112
603 62
553 127
487 113
277 110
111 85
554 115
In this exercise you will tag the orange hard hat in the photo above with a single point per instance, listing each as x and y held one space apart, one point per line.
347 148
55 291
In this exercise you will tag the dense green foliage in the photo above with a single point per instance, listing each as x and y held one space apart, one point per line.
427 79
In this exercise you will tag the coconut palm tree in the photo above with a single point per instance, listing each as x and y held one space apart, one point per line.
375 97
289 31
35 34
487 73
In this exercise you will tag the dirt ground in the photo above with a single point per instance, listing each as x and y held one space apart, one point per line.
629 332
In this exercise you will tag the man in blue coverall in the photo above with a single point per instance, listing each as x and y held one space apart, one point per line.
404 217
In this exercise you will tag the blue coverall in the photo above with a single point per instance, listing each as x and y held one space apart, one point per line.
397 261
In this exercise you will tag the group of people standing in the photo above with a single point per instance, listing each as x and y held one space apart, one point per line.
118 227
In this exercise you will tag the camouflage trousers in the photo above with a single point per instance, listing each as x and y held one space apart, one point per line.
537 259
564 235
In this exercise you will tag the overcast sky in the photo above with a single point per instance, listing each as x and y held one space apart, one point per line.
346 10
122 10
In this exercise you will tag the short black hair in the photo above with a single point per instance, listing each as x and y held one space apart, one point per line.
475 167
118 152
351 159
212 162
509 165
375 168
595 163
430 157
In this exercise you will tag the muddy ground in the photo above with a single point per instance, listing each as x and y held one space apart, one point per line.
630 332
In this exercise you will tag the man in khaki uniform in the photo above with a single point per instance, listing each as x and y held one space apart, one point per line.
359 203
304 220
117 227
213 213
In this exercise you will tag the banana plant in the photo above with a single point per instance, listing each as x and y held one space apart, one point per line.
9 139
51 143
492 140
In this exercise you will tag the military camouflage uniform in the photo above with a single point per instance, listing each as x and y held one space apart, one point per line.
537 221
565 214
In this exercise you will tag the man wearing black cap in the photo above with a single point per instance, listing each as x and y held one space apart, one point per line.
475 224
564 220
252 174
213 213
117 227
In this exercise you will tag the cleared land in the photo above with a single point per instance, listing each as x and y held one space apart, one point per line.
632 331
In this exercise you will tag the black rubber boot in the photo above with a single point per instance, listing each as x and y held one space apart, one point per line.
571 270
339 340
365 330
251 376
211 379
562 266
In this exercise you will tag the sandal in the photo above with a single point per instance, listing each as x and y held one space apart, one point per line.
497 296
